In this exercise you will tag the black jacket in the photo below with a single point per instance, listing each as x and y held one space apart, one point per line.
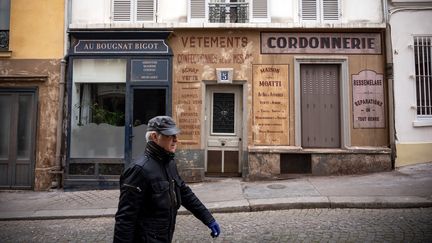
151 192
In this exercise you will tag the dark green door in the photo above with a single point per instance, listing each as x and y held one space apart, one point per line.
147 103
17 133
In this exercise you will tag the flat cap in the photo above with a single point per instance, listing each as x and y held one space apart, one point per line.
163 124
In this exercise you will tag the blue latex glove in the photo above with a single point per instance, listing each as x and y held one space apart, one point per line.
214 226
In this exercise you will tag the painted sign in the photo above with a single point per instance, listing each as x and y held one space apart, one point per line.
204 56
320 43
188 112
120 46
149 70
270 105
368 99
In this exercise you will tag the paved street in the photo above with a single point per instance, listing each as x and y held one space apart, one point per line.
297 225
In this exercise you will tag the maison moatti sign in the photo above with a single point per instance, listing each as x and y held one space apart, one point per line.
120 46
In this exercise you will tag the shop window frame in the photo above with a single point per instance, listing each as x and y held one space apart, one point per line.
130 85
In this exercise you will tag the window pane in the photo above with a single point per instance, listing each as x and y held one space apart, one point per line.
147 104
99 70
5 110
24 126
82 169
110 169
98 118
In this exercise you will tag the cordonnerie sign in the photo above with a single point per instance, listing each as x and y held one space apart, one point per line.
320 43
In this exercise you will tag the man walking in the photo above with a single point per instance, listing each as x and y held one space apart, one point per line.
151 191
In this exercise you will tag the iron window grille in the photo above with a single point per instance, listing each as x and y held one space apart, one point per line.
4 40
423 75
230 12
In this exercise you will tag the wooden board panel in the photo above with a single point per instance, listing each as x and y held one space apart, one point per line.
270 105
214 161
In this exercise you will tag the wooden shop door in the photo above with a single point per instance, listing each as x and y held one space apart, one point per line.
17 139
320 105
223 130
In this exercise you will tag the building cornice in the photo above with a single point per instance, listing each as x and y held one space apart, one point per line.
149 26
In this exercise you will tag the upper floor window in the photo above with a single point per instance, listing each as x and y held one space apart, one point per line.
4 24
423 72
134 10
320 10
228 11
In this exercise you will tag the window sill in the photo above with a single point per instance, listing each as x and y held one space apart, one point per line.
5 54
422 123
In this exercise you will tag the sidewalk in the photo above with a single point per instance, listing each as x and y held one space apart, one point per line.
410 186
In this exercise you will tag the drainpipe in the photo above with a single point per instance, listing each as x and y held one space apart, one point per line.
58 171
390 82
58 156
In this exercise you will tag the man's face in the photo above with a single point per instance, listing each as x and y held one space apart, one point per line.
169 143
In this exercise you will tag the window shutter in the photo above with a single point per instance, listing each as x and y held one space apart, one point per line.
260 11
122 10
330 10
145 10
197 10
309 9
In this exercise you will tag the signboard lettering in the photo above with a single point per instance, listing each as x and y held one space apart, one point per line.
149 70
368 99
346 43
120 46
188 113
214 41
270 107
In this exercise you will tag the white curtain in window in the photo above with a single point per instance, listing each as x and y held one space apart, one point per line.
85 105
99 70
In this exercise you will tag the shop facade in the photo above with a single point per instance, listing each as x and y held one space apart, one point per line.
249 103
117 81
275 103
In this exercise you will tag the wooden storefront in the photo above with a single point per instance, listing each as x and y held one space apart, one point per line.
251 104
276 103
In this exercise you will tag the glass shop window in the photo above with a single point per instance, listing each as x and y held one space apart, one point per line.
98 108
